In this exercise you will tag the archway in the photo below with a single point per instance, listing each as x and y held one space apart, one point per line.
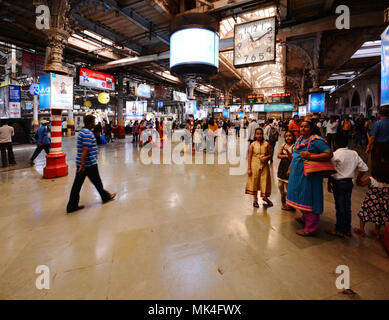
369 106
355 102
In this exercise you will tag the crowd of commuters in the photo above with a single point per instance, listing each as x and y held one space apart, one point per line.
323 141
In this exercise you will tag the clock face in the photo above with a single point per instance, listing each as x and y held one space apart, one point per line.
255 42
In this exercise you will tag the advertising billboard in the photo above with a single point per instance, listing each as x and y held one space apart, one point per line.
179 96
316 102
385 67
95 79
135 110
302 111
61 92
190 107
44 91
258 108
279 107
143 90
194 45
226 113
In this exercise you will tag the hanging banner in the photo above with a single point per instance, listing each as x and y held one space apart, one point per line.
179 96
14 102
95 79
32 64
143 90
385 67
44 91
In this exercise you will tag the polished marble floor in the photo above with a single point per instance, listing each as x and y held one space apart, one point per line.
174 232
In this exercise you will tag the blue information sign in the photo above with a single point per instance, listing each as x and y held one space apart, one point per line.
14 93
44 91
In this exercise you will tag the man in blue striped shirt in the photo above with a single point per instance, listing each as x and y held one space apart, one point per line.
86 162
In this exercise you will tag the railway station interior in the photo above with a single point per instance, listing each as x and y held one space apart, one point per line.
234 149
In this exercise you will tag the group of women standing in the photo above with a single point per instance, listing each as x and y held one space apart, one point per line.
303 193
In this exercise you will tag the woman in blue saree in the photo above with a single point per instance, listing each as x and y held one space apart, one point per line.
306 193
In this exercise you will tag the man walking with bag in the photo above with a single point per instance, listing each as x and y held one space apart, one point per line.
86 162
6 133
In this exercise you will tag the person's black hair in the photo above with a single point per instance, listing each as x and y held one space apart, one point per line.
340 141
89 119
296 116
260 129
384 110
293 136
311 124
270 120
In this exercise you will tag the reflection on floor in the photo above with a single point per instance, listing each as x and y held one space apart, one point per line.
174 232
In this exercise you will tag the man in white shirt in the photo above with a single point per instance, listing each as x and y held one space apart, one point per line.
346 162
64 127
332 127
251 131
6 133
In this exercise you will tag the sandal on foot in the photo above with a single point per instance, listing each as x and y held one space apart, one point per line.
255 204
268 203
303 233
335 233
360 232
287 208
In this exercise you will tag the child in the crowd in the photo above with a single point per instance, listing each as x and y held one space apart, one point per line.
197 138
258 169
286 155
346 162
375 207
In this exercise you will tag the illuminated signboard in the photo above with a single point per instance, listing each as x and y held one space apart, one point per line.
258 108
95 79
385 67
316 102
257 99
278 107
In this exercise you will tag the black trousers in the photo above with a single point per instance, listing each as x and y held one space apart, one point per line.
93 174
7 148
342 195
38 150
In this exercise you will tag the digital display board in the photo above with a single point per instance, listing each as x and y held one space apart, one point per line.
194 45
316 102
258 108
385 67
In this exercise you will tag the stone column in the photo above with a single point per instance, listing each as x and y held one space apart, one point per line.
57 37
35 120
121 131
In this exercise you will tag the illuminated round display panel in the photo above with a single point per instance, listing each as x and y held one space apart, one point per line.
194 46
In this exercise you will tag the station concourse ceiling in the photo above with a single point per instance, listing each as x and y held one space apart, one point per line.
110 30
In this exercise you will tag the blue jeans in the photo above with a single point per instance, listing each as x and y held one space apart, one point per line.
342 194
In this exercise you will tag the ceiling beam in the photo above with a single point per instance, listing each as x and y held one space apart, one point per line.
159 6
326 24
219 5
105 32
137 19
132 61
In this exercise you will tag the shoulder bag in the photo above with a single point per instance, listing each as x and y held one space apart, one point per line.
318 168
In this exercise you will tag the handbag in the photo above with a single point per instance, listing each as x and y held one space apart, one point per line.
318 168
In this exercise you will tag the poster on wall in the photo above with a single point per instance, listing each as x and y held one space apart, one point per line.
190 107
385 67
95 79
61 96
55 92
14 102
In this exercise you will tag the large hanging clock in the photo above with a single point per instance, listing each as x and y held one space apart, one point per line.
255 42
